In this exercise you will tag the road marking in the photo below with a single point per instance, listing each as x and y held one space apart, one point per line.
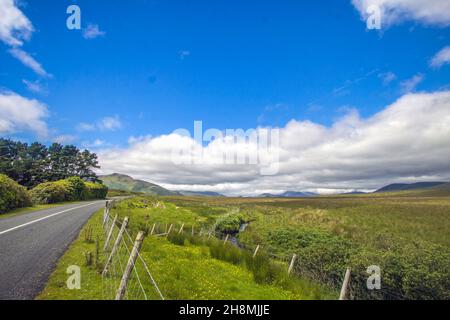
44 218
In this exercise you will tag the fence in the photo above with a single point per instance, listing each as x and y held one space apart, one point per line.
126 275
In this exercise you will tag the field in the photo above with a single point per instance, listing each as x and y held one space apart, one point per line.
406 235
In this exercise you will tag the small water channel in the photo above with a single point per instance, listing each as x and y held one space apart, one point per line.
233 237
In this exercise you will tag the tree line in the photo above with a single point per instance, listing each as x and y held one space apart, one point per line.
35 163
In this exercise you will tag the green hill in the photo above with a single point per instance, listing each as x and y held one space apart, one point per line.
411 186
123 182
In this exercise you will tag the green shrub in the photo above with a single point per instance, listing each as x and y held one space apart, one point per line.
71 189
79 191
229 223
51 192
96 190
12 195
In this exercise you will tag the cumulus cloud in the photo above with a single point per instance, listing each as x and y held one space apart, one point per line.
441 58
92 31
22 114
407 141
15 28
430 12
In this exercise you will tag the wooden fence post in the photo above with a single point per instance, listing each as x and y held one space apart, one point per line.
130 265
226 239
343 295
105 215
110 233
291 266
115 246
256 251
181 229
153 229
170 229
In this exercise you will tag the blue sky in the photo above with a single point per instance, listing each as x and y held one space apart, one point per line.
156 66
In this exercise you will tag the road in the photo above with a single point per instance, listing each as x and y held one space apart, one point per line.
31 245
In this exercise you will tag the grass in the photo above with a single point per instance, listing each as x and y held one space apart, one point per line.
183 270
35 207
407 236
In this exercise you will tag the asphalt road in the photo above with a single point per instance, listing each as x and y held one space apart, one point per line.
32 243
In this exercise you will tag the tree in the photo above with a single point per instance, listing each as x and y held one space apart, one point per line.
33 164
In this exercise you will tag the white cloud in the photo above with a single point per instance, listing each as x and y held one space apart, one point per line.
430 12
92 31
29 61
34 86
110 123
105 124
64 138
407 141
14 25
387 77
410 84
20 114
441 58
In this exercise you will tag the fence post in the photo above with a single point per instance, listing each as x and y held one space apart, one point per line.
130 266
343 295
193 230
256 251
105 215
170 229
226 239
115 246
291 266
181 229
110 233
153 229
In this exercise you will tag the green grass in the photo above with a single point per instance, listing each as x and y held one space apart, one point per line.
187 271
35 207
407 236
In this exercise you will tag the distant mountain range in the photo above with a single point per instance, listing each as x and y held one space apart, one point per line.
411 186
288 194
123 182
201 193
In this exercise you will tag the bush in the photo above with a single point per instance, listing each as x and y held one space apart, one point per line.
96 190
229 223
51 192
71 189
12 195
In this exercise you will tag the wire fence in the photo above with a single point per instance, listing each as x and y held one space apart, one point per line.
126 275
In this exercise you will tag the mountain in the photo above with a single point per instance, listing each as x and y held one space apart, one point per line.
123 182
288 194
411 186
201 193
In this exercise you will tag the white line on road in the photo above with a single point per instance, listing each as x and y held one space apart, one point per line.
46 217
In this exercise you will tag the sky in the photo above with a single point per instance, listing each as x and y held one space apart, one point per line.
356 108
